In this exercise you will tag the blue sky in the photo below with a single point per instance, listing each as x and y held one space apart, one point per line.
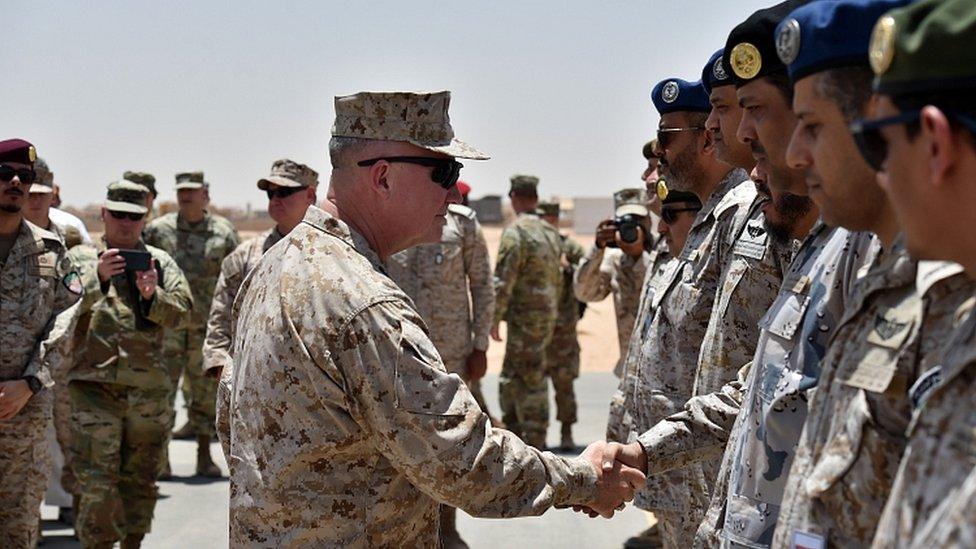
557 89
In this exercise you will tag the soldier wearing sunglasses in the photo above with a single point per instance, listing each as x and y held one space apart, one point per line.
38 288
119 393
291 189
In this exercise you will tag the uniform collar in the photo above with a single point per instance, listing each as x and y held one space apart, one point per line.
730 181
30 241
184 225
323 221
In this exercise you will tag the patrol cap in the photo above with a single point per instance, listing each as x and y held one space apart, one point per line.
547 209
126 196
714 73
288 173
43 178
681 196
630 202
827 35
147 180
650 149
523 183
190 180
750 50
677 95
463 188
17 150
925 46
417 118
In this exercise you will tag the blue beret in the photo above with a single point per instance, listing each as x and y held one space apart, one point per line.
714 73
827 35
677 95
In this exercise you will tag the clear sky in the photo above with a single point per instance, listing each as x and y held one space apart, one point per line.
556 89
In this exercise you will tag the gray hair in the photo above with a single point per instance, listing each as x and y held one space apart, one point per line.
340 147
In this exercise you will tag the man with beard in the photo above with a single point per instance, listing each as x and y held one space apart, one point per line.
769 402
38 288
921 135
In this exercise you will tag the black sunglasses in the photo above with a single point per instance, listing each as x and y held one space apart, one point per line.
26 175
123 215
445 173
283 192
664 135
873 145
670 215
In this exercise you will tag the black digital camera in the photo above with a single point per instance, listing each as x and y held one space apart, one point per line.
627 227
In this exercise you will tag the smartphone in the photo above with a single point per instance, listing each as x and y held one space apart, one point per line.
136 260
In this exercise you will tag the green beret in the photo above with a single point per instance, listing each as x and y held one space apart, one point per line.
925 46
548 209
524 183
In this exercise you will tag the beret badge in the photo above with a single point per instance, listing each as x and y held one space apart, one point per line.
718 70
32 153
669 93
746 61
788 42
882 49
662 189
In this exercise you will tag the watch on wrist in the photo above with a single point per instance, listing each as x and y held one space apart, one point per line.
34 384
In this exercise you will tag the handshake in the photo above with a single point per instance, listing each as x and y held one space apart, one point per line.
620 470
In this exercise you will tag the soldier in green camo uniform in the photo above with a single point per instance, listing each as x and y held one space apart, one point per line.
119 391
199 241
527 282
563 351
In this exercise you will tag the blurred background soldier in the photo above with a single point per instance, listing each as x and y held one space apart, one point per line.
199 241
33 267
72 229
118 390
563 351
617 263
148 181
291 190
527 282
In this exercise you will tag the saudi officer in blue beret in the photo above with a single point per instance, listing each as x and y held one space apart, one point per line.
855 432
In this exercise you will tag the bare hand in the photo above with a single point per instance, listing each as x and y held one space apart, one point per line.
615 485
110 263
634 249
14 395
495 334
632 455
605 233
146 281
477 365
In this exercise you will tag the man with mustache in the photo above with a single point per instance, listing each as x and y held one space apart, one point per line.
38 290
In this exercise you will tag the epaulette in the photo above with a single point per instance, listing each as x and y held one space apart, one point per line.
462 210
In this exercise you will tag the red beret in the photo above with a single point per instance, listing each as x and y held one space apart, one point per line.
464 188
17 150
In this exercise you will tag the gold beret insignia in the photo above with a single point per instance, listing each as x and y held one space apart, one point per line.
746 60
882 49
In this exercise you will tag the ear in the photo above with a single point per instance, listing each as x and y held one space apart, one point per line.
708 143
378 175
942 144
312 198
104 211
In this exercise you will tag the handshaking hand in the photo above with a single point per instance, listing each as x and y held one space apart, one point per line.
616 483
620 471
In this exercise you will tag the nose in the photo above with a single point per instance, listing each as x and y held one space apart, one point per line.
662 227
746 132
454 195
711 123
797 152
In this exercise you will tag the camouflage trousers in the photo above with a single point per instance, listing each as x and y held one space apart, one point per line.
119 432
678 529
523 391
183 355
24 469
62 428
563 366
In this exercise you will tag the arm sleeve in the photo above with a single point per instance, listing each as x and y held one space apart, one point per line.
698 432
219 340
173 301
53 343
592 279
436 434
478 268
506 271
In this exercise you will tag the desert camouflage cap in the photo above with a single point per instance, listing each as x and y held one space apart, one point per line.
650 149
147 180
126 196
630 201
288 173
44 180
523 183
548 209
417 118
190 180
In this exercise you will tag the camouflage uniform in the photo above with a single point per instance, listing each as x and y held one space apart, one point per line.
768 400
220 326
672 340
119 395
344 420
198 249
562 354
38 288
527 281
609 270
933 499
855 430
439 278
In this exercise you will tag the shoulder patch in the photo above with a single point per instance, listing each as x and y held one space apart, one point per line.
752 240
923 386
462 210
72 281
